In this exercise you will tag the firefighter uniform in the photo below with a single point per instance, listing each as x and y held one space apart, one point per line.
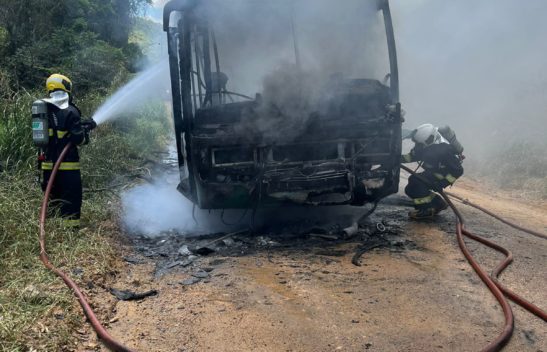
66 194
442 168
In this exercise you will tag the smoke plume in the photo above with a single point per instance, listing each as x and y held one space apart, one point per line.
289 52
478 66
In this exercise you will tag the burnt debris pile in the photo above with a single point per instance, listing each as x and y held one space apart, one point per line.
175 252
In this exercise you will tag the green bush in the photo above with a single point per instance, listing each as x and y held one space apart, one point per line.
96 67
5 84
16 148
84 39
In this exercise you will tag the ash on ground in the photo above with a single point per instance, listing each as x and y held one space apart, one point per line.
173 251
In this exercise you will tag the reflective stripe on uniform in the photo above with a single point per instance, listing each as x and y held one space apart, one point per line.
60 134
451 179
438 176
407 158
424 200
71 223
66 166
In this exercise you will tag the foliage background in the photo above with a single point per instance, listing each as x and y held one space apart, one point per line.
99 44
87 40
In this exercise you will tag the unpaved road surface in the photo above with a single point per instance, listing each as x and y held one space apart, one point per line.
282 292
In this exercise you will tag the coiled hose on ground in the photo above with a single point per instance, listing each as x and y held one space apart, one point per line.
491 281
108 340
509 257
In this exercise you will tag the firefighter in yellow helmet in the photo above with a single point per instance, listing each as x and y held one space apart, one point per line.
64 125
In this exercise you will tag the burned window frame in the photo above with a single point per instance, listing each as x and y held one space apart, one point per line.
363 174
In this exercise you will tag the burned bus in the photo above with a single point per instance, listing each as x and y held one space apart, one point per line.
253 129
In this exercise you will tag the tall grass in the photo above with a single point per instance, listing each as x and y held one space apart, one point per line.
16 149
30 296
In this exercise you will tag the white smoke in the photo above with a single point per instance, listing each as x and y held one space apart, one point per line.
152 209
256 38
157 207
159 3
478 66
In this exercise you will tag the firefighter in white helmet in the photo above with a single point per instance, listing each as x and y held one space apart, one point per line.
442 164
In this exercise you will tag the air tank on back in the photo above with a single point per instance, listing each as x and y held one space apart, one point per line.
450 136
40 126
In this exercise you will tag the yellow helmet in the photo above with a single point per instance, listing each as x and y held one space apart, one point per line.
58 82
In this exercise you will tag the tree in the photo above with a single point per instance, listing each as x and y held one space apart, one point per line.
85 39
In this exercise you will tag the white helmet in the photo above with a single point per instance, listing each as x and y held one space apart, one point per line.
425 134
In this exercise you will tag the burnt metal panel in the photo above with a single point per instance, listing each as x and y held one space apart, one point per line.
346 152
392 49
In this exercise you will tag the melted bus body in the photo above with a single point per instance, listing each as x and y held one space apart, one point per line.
345 151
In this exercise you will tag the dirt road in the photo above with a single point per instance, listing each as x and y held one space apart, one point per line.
281 292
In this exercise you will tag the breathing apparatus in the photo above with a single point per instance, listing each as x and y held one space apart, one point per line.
59 89
428 134
40 124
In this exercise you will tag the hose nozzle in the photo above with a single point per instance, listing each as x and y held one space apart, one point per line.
89 125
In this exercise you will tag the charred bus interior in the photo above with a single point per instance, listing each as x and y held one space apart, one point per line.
239 150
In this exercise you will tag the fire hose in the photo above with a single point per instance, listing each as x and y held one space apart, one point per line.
509 257
497 289
491 281
108 340
486 211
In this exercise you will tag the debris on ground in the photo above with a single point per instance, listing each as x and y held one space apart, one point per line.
127 295
365 248
201 274
133 259
184 253
352 230
190 281
203 250
292 275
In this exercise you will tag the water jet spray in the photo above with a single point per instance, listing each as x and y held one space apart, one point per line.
147 85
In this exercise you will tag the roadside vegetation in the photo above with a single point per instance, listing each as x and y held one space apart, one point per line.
520 168
30 296
99 44
87 40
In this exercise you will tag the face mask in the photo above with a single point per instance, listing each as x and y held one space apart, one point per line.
59 99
